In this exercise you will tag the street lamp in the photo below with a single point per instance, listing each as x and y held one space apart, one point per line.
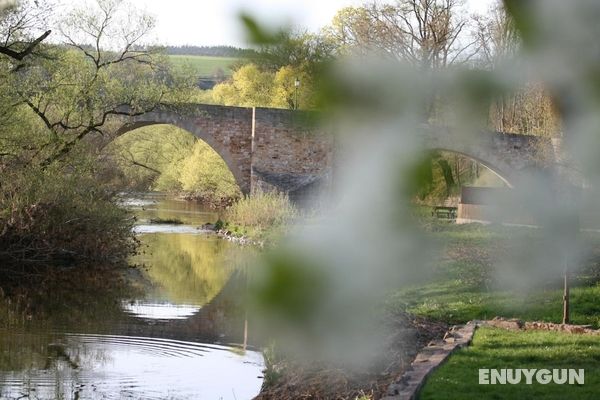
296 86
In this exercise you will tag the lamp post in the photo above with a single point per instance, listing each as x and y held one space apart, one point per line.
296 86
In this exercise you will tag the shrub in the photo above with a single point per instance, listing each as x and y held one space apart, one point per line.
262 211
56 216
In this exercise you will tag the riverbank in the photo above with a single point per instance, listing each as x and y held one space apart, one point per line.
465 285
288 379
260 219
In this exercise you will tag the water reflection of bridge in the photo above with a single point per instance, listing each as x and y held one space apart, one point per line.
223 319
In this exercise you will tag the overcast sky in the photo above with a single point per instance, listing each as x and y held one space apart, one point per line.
214 22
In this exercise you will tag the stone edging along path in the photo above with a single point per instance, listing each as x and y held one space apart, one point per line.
431 357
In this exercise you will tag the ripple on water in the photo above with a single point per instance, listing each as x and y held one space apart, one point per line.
82 366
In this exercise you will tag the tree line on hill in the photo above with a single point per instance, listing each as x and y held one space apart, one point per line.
211 51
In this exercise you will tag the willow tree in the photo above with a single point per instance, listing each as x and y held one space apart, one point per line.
100 73
57 104
22 28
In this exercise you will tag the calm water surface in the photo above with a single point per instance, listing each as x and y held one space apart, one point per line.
181 334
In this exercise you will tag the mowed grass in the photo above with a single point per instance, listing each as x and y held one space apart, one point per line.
204 66
463 285
494 348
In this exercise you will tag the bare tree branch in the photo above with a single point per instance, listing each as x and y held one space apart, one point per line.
20 55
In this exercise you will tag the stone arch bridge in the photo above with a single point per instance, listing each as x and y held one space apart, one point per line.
286 150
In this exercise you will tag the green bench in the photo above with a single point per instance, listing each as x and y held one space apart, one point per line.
444 212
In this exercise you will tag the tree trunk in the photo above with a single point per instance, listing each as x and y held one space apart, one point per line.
447 173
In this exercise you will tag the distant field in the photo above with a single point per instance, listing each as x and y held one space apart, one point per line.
204 66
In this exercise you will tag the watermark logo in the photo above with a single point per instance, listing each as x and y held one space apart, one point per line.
529 376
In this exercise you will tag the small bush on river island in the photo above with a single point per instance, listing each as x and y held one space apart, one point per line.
52 217
262 213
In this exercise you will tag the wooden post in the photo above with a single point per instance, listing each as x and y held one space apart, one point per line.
566 310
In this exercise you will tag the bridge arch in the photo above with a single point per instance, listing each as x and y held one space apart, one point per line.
512 157
227 130
500 172
222 151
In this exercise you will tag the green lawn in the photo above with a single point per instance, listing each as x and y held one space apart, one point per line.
463 286
454 303
204 66
496 348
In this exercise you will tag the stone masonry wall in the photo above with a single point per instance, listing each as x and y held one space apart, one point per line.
290 152
230 131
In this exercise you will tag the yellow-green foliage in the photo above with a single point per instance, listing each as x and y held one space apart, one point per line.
167 158
284 90
435 187
262 211
159 147
190 268
204 174
252 87
249 87
168 179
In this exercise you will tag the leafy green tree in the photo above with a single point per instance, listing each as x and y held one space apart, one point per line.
352 30
80 92
205 175
252 87
249 87
146 155
283 57
300 50
22 28
285 92
169 159
60 103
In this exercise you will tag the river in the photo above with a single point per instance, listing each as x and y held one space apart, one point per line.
180 332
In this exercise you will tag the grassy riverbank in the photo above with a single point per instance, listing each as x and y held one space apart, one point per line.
464 285
495 348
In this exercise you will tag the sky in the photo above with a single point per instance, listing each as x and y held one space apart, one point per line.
216 22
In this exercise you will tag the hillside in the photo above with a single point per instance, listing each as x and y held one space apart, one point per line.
205 66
